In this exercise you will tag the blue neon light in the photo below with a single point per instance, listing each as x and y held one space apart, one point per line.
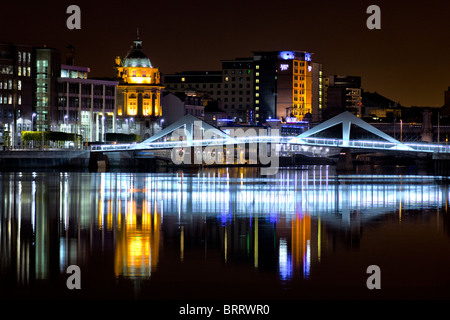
287 55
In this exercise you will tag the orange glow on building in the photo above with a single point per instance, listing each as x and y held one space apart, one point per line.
139 90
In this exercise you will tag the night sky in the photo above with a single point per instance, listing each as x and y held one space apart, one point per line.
408 60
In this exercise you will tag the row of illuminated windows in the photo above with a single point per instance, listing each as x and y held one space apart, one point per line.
23 57
300 71
299 64
240 79
134 73
8 99
24 71
7 84
6 70
242 71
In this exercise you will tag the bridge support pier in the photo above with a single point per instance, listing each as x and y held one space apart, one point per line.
98 162
441 163
345 161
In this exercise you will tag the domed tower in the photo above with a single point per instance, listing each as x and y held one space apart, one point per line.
138 93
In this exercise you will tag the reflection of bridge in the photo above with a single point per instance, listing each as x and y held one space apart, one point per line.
192 132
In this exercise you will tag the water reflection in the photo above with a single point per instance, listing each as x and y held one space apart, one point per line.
130 225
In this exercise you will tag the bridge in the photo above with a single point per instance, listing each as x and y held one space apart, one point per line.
190 131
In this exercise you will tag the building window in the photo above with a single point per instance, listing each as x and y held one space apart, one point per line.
19 85
183 79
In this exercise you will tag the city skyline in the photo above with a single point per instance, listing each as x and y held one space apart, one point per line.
404 61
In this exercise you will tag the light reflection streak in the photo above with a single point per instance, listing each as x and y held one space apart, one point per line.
128 211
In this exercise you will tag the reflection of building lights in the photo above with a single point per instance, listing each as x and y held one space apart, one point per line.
284 261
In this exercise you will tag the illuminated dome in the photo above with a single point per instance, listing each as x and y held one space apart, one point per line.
137 58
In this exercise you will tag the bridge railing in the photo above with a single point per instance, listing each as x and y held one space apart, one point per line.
363 144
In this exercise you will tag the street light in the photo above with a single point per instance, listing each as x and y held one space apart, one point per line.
66 122
32 121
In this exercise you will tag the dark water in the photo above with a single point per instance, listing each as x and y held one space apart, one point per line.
224 234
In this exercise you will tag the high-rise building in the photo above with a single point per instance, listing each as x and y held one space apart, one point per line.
343 93
47 69
16 91
272 84
138 94
238 94
287 84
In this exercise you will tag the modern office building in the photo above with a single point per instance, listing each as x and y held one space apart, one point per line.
288 84
86 106
343 93
273 84
16 91
238 95
139 92
47 69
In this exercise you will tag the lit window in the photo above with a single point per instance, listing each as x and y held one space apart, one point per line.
226 78
183 79
257 66
257 74
19 85
257 88
19 100
10 99
257 80
257 94
257 101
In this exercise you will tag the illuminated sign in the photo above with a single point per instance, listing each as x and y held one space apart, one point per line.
309 68
287 55
307 56
291 119
284 67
